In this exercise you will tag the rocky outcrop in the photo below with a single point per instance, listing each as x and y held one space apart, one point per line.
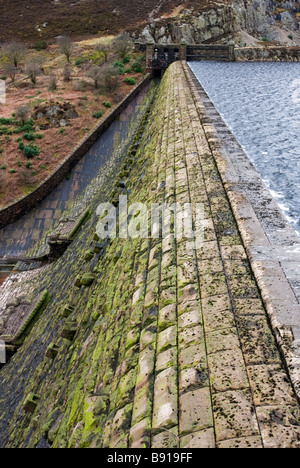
261 18
54 114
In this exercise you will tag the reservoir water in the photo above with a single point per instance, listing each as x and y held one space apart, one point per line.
260 103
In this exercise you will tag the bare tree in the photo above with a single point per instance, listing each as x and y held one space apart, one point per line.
66 47
123 44
15 53
95 75
22 114
11 71
52 83
103 50
67 72
110 78
33 70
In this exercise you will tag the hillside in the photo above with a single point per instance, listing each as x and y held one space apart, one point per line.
82 17
161 20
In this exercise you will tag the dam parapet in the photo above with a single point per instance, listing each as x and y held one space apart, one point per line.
160 56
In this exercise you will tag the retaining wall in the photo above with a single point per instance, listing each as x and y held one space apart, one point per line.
284 54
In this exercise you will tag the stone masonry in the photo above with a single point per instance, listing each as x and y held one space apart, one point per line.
171 346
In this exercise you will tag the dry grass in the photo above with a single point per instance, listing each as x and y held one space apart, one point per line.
56 143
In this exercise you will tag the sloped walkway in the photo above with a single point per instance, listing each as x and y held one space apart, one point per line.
219 375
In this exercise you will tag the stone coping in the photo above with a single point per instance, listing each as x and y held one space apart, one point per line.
272 245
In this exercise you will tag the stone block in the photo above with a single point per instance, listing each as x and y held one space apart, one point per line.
167 317
195 412
279 426
234 415
167 339
165 407
199 440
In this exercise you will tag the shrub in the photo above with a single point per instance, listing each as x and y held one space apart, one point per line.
15 53
12 171
61 131
28 126
30 151
95 75
106 104
125 60
97 115
123 45
130 81
22 114
33 70
3 167
5 131
136 67
5 121
3 77
291 37
66 47
78 62
19 164
28 165
40 45
21 146
39 136
103 50
52 83
109 79
29 136
80 85
119 67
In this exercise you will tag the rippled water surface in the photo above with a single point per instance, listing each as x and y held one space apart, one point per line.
260 102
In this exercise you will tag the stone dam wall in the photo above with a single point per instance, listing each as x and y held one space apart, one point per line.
154 342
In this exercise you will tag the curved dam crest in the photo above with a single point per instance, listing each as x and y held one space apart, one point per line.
129 329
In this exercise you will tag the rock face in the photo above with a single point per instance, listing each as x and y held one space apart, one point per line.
259 18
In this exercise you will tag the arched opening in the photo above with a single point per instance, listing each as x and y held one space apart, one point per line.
157 73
